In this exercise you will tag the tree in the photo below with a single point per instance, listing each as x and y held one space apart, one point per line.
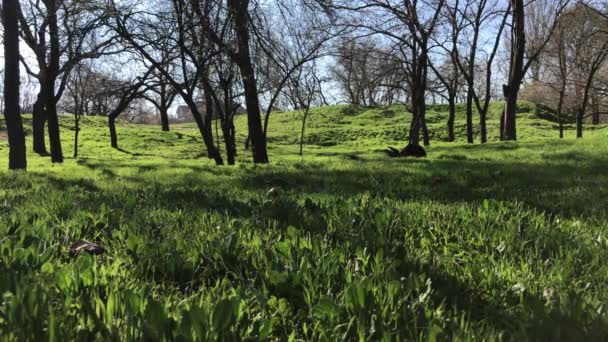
79 92
367 73
409 26
572 61
239 10
303 91
162 96
12 113
522 56
61 33
592 55
127 93
173 24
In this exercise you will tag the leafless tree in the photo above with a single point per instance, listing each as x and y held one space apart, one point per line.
61 33
523 53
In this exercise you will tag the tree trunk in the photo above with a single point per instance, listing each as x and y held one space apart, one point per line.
508 124
12 112
164 116
53 127
212 150
113 136
451 117
304 118
228 131
470 138
418 108
426 139
76 131
595 109
560 105
579 122
415 131
254 120
38 123
516 72
53 70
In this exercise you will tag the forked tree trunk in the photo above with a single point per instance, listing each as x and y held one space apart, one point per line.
12 114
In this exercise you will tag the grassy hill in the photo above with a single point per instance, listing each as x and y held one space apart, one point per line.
500 242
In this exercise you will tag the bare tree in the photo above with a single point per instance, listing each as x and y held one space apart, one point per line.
79 91
162 95
60 33
176 25
409 25
522 56
303 91
128 92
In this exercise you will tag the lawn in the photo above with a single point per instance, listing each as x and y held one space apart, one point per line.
503 241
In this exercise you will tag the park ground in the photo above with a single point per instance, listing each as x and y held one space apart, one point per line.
502 241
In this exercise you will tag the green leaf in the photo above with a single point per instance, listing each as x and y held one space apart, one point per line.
326 307
47 268
265 329
223 315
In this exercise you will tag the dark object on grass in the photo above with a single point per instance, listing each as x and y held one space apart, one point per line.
409 151
91 248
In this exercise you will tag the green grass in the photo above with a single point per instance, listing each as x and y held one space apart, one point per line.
503 241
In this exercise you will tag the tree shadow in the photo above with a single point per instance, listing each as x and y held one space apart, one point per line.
560 186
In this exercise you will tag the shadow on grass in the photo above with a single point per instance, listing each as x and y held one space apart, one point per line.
527 182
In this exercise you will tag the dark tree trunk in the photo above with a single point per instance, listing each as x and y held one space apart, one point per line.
12 112
451 117
516 72
113 136
579 122
418 109
508 122
212 150
595 109
254 120
470 138
426 139
483 127
228 126
302 131
205 131
38 123
228 131
164 117
76 132
560 105
53 127
53 70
